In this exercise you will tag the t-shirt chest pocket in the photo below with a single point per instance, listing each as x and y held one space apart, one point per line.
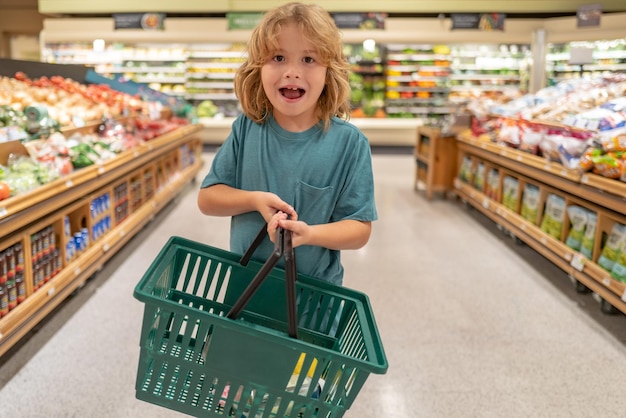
313 204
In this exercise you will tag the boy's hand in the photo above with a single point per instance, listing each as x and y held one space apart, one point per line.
300 230
269 204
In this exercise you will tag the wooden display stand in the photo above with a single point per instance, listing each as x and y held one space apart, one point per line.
108 202
601 196
435 161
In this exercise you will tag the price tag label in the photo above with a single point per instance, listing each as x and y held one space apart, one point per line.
100 170
624 296
584 179
77 271
105 247
578 261
483 146
457 183
606 281
523 227
51 291
544 240
519 158
136 153
3 212
547 167
486 203
503 153
69 183
122 232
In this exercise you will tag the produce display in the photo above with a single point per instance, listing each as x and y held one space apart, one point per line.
579 123
40 114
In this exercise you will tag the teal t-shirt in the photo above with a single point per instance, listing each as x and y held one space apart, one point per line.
325 175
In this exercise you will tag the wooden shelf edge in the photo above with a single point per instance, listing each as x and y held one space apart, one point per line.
27 314
555 250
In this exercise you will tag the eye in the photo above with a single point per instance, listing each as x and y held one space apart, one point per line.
279 58
308 60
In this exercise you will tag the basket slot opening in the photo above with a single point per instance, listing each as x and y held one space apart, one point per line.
181 280
202 288
352 342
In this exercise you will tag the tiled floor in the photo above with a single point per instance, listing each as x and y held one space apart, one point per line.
473 325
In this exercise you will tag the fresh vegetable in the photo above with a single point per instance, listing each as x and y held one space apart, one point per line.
5 190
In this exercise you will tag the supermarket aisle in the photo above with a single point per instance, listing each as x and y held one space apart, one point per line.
473 325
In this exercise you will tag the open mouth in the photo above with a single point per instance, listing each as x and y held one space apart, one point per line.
292 92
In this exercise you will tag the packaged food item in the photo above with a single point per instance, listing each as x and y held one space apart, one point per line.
578 218
510 187
585 163
614 142
465 172
479 177
609 165
618 272
599 119
493 183
588 239
530 203
554 216
613 245
509 134
531 136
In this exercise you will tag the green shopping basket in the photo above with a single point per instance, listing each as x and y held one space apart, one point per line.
217 339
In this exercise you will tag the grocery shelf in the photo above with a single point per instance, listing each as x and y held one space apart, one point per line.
25 208
604 197
609 193
156 170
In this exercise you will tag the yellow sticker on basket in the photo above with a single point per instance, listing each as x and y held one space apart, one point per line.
300 362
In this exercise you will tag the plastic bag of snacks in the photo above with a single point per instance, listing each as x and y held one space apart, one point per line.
578 218
510 186
492 184
612 143
554 216
618 272
610 165
588 239
613 246
530 203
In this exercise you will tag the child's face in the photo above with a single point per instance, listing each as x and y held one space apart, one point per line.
293 80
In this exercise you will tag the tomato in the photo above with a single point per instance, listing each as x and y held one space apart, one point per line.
5 190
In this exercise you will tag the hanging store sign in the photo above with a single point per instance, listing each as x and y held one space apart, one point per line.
589 15
145 21
365 21
478 21
238 21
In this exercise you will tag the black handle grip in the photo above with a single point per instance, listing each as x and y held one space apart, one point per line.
283 246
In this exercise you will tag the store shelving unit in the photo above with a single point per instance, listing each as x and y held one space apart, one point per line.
367 79
604 197
606 57
106 204
488 70
417 83
210 74
435 161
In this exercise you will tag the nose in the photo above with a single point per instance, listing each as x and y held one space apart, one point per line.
291 71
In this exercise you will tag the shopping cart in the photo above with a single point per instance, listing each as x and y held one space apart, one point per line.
220 338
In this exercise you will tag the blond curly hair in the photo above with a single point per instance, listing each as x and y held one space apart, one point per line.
317 26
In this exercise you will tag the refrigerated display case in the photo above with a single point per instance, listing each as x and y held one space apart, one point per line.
586 59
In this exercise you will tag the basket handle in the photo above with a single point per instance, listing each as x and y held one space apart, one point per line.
283 246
